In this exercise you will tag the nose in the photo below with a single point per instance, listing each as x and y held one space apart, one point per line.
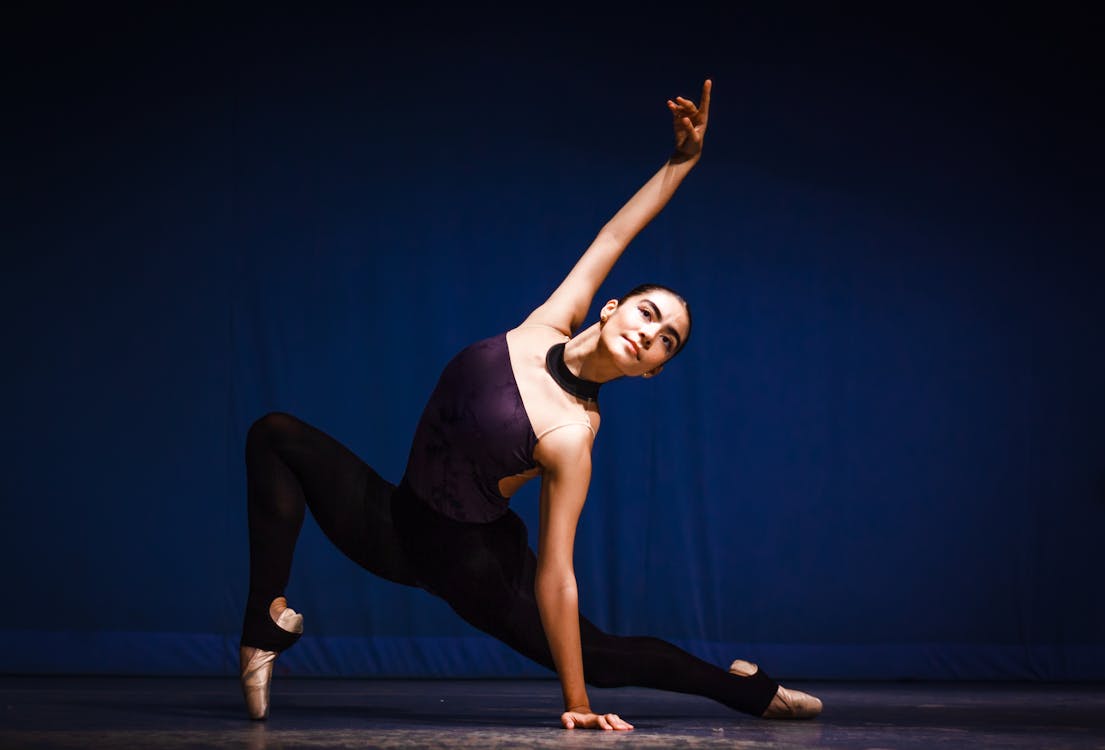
648 334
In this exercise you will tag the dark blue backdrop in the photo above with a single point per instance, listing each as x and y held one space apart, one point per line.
883 454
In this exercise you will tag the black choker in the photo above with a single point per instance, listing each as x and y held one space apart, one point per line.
588 390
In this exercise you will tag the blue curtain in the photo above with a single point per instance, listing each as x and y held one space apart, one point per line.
882 455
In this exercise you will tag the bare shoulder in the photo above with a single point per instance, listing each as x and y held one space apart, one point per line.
568 447
564 424
595 418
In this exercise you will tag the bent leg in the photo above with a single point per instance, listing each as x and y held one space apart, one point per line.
290 465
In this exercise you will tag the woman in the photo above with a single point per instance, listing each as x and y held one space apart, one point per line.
505 410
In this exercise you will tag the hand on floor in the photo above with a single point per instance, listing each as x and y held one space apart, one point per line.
583 720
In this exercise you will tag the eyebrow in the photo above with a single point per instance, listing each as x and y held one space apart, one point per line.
660 319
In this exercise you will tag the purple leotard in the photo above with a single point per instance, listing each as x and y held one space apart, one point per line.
473 432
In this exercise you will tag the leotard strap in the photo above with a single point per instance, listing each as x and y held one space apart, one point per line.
586 424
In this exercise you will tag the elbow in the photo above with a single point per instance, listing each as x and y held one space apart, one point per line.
555 584
612 236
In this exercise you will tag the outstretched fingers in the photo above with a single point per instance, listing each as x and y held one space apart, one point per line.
616 722
609 722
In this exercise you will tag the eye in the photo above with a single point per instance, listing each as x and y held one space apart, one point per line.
667 342
645 313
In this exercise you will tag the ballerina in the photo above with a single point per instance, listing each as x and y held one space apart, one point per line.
507 409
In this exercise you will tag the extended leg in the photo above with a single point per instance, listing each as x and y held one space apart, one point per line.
486 573
642 661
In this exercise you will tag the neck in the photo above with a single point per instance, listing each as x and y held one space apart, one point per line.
587 359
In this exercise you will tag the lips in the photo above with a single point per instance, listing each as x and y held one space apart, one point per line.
636 349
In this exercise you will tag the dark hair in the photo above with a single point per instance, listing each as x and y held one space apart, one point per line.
645 289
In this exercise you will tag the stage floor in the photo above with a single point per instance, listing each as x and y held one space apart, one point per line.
83 712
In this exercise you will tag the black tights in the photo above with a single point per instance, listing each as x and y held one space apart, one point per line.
485 572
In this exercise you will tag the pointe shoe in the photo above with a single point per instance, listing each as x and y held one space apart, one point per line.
787 704
256 676
792 704
256 667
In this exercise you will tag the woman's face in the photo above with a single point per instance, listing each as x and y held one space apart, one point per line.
645 331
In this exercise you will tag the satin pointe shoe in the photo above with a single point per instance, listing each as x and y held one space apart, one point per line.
256 666
787 704
792 704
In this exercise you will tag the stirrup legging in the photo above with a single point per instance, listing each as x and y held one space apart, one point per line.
485 572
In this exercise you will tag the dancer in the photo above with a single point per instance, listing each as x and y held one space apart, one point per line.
512 407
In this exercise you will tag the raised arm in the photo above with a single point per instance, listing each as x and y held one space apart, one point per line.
566 309
566 462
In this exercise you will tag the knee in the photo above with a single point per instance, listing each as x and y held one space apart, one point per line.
269 429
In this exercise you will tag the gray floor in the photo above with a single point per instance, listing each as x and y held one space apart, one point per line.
202 713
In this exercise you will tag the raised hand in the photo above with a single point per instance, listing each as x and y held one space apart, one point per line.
690 121
588 720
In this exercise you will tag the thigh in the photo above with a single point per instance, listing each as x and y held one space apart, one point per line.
350 501
478 569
